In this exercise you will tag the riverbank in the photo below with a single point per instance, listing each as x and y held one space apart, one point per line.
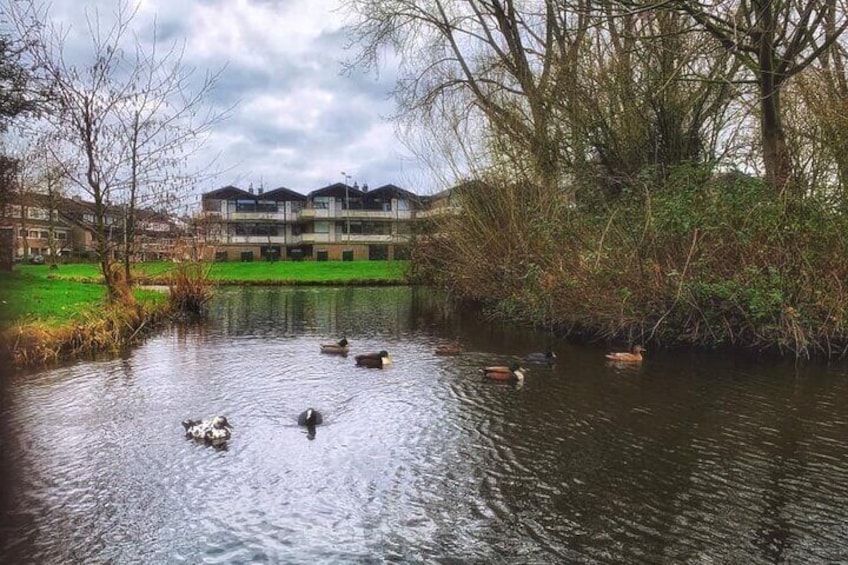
45 319
690 261
49 315
264 273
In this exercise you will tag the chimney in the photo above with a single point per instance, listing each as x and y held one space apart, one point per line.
260 190
365 187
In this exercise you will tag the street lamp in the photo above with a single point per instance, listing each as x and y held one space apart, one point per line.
347 178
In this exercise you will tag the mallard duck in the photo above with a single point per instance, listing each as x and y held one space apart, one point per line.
633 356
310 417
546 357
338 348
374 360
453 348
514 373
215 430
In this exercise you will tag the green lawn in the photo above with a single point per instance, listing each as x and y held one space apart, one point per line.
37 293
302 272
28 295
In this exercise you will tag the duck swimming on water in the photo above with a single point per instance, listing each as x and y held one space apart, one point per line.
338 348
215 430
513 373
633 356
452 348
310 417
374 360
546 357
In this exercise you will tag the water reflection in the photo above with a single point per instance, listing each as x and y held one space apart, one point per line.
680 459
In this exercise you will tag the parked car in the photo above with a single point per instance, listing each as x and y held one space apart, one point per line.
37 259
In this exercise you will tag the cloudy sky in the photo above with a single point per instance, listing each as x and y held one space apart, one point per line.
298 122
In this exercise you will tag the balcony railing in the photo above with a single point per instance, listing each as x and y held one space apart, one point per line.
338 214
258 239
256 216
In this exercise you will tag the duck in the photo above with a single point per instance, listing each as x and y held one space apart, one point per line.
514 373
546 357
214 430
633 356
453 348
310 417
338 348
374 360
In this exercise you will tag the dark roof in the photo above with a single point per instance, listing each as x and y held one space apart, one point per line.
227 192
282 194
338 190
391 191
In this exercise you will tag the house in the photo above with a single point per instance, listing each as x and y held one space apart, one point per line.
38 228
157 235
65 227
335 222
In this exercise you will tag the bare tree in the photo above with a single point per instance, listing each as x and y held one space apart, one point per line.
163 121
130 115
774 40
650 94
502 62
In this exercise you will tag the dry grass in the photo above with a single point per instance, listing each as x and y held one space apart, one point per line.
107 329
696 264
190 288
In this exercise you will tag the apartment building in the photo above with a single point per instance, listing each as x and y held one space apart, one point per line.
335 222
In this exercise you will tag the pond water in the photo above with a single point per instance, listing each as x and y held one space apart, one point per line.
684 459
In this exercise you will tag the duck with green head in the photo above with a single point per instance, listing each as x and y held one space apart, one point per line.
338 348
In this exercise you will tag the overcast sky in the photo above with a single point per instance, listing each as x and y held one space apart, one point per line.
299 121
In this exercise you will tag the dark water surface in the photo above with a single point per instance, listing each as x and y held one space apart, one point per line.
686 459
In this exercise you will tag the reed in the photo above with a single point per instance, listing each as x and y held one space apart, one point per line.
106 329
190 288
697 261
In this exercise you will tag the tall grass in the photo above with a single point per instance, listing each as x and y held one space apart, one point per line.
697 260
190 288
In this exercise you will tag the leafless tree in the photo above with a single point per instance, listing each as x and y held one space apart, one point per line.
132 114
774 40
498 63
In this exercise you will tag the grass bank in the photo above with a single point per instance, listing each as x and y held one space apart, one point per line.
48 315
46 319
257 273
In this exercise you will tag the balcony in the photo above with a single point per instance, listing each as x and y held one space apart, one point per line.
339 214
340 238
258 239
260 216
312 213
377 214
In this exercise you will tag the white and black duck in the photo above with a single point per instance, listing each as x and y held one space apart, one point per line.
216 430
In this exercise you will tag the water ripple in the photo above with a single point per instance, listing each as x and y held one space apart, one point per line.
679 460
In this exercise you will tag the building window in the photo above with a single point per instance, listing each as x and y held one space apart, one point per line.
266 206
245 205
256 229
